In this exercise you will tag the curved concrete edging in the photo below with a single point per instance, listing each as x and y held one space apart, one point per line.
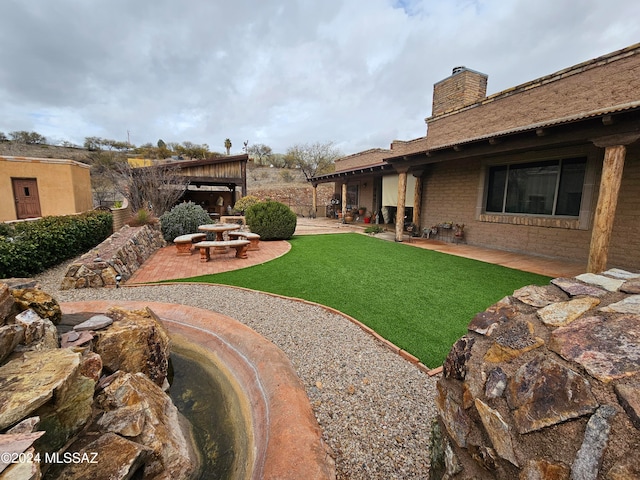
287 441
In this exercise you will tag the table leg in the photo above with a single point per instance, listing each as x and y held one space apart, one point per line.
220 250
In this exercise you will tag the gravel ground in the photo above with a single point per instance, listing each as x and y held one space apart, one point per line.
375 408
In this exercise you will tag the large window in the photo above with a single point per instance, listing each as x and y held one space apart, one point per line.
539 188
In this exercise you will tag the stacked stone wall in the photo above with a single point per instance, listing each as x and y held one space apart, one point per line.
121 254
545 385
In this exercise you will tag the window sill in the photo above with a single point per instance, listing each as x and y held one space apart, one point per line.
532 220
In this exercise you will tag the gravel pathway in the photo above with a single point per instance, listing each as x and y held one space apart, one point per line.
375 408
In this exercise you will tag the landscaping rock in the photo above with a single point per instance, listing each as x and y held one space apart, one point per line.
545 385
10 337
137 408
607 283
587 463
39 334
575 288
6 303
543 393
96 322
608 348
42 303
29 382
135 342
562 313
115 458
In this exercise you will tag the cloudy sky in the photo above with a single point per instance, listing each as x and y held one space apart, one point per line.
359 73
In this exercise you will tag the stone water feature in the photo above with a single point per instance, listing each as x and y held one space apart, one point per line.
545 386
92 402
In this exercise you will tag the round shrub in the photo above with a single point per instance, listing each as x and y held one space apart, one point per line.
182 219
271 220
244 203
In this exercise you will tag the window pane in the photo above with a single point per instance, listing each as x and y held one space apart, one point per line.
352 196
495 195
531 188
570 190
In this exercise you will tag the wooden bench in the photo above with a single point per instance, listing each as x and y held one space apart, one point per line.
240 246
185 242
254 238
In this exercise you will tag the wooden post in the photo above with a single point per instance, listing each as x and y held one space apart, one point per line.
417 200
612 167
402 196
314 201
344 201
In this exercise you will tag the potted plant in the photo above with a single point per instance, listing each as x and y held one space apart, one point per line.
362 210
349 216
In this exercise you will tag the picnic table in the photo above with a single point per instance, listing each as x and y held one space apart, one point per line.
219 229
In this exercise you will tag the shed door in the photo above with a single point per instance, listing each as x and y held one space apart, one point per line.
25 193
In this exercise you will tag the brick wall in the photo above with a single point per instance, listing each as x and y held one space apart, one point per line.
450 193
597 84
462 88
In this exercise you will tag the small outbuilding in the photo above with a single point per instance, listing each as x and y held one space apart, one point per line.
37 187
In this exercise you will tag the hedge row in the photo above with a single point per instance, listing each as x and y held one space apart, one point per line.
27 248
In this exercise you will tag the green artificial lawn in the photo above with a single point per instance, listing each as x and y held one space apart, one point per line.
420 300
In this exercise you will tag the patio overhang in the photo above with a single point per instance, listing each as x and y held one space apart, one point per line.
355 173
573 130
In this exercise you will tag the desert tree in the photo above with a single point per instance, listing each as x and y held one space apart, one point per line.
227 145
156 188
29 138
260 153
312 158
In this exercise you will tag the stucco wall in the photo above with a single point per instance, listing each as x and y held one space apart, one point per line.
64 186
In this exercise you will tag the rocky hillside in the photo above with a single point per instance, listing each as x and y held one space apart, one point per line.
281 184
11 149
287 186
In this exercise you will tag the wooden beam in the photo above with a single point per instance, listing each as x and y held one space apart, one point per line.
612 167
417 201
314 201
402 197
344 201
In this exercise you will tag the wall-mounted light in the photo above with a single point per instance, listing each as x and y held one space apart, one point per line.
118 278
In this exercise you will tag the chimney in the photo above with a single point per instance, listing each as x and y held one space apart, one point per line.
462 88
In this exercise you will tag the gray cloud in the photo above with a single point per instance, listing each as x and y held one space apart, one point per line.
356 72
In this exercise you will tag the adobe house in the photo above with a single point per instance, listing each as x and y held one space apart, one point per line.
37 187
550 167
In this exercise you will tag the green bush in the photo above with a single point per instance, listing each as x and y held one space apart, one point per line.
373 229
244 203
33 246
271 220
182 219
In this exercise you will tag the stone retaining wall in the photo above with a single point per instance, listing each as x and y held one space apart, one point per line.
122 253
545 385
